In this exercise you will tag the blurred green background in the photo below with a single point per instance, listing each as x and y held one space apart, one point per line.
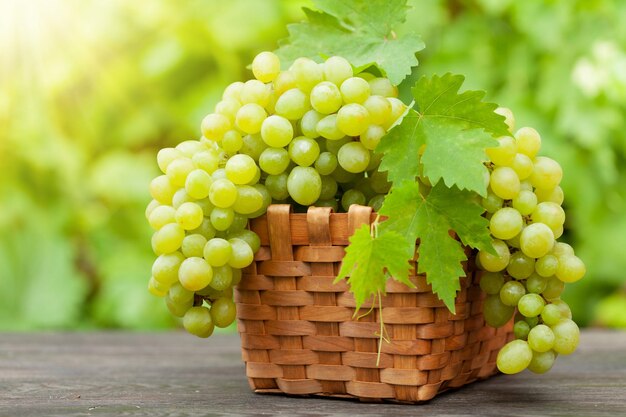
89 91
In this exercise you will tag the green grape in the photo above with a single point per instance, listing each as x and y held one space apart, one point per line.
195 273
561 249
328 129
514 241
162 189
178 309
525 202
240 169
530 305
250 118
223 193
308 124
304 185
255 91
292 104
276 131
242 254
193 245
198 183
329 188
206 206
277 186
520 266
542 362
504 153
181 197
333 146
504 183
554 195
214 126
536 240
161 216
353 119
550 214
223 312
509 119
249 200
491 282
541 338
236 277
522 165
337 70
165 156
253 146
274 161
552 314
570 268
491 203
266 67
378 108
326 97
178 294
355 90
206 160
379 183
198 322
233 91
495 263
240 222
398 108
332 203
248 236
382 87
511 292
565 310
372 136
178 170
206 229
304 151
307 73
152 205
169 238
283 82
536 284
228 108
566 337
376 202
222 218
514 357
189 215
232 142
189 148
165 268
506 223
353 157
222 278
546 265
554 288
525 186
326 163
496 313
351 197
532 321
547 173
528 141
521 330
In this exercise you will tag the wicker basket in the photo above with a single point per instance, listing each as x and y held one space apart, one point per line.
299 337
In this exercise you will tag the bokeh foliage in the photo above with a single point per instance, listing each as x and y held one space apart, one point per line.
90 90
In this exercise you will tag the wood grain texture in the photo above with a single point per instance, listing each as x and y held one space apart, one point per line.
174 374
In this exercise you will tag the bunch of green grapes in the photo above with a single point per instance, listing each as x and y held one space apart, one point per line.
530 267
304 136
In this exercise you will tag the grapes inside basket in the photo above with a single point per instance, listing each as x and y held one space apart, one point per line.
321 124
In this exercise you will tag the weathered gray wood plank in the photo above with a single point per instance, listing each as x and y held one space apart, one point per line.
173 374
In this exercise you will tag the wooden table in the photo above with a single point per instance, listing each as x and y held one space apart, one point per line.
174 374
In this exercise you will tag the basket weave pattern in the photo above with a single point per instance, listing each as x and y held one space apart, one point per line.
299 336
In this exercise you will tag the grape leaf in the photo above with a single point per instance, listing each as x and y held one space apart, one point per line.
430 219
455 127
360 31
369 261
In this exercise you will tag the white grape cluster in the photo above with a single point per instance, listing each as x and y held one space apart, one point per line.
530 269
303 136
